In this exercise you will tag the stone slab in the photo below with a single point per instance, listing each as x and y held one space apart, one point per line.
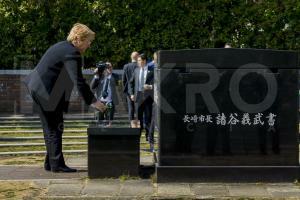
284 191
248 191
102 187
209 191
137 188
64 189
172 189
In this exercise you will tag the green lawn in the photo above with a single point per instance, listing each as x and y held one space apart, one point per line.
20 190
39 128
39 134
65 147
41 141
41 148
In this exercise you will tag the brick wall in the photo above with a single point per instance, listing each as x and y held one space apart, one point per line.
14 98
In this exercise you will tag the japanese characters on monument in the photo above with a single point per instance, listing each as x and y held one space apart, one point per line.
258 119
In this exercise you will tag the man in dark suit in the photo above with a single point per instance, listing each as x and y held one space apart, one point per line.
153 123
104 84
141 92
127 74
50 86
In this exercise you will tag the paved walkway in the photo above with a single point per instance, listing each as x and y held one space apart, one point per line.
78 186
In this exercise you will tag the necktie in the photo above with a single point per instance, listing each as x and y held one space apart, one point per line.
105 88
142 81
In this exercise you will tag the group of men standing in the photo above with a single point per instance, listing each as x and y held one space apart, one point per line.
138 81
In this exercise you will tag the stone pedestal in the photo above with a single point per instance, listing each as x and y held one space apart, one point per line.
226 114
113 151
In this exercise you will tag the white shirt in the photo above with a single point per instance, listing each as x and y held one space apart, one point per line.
141 85
109 96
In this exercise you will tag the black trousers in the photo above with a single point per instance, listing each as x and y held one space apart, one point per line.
107 115
53 127
144 113
153 123
131 109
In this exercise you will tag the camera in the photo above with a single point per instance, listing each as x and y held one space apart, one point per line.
101 66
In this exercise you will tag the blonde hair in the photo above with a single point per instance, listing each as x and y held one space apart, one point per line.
81 32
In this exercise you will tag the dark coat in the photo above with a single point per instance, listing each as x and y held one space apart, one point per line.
54 77
128 71
98 83
133 83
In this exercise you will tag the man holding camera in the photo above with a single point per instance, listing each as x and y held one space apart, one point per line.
104 85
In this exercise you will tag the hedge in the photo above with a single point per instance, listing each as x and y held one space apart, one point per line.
29 27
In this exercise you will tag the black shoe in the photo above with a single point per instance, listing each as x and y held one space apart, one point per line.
63 169
47 167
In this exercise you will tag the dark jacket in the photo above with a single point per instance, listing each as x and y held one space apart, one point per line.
54 77
133 83
127 74
98 83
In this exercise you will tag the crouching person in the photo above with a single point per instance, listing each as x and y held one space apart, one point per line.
104 86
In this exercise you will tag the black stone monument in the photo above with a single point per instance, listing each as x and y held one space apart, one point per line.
227 114
113 151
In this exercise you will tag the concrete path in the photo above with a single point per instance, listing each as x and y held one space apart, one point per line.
78 186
